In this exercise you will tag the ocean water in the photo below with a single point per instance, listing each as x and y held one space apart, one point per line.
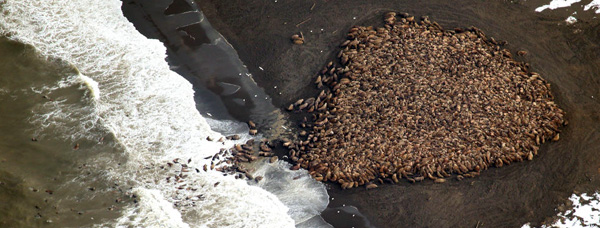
42 178
96 104
90 114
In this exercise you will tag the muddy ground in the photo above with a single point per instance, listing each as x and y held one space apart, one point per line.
566 55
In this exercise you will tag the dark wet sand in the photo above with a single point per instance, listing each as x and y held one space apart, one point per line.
505 197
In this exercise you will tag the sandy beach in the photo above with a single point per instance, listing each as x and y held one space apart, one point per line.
510 196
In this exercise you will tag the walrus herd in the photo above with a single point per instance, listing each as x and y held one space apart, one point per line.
411 100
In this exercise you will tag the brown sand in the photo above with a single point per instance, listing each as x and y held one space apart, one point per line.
507 197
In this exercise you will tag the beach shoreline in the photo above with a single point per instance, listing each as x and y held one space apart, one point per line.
508 196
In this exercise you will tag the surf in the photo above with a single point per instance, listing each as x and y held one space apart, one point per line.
150 110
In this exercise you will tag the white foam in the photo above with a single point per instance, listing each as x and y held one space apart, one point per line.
287 184
76 117
156 211
555 4
91 85
148 108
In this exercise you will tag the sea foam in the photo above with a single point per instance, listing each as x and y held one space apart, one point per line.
151 112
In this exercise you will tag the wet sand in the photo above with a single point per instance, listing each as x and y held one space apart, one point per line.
501 197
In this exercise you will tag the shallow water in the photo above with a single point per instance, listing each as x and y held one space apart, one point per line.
44 180
125 165
106 114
